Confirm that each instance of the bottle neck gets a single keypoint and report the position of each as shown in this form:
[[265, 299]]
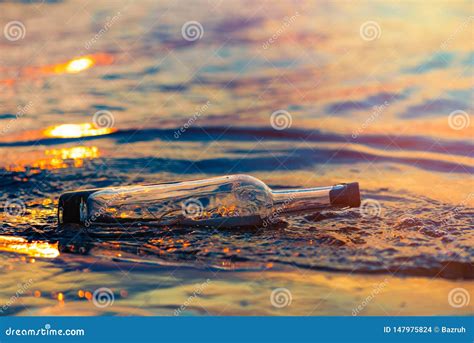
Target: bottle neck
[[294, 200]]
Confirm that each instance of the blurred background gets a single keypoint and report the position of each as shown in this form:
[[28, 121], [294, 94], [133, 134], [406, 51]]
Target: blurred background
[[296, 93]]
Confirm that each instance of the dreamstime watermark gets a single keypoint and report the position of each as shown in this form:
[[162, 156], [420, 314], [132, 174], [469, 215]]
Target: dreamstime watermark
[[287, 21], [376, 112], [192, 31], [109, 22], [458, 30], [273, 217], [45, 331], [14, 208], [199, 112], [21, 111], [459, 297], [197, 292], [14, 31], [103, 119], [377, 289], [103, 297], [370, 30], [22, 288], [281, 297], [444, 220], [370, 208], [449, 219], [459, 120], [100, 212], [281, 120], [192, 208]]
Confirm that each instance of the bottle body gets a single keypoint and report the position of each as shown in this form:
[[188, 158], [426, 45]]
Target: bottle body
[[226, 201]]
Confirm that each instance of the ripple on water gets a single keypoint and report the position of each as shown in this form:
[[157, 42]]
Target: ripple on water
[[411, 236]]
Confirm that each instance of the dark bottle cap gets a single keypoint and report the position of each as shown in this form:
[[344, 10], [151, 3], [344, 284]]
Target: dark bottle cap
[[69, 205], [346, 194]]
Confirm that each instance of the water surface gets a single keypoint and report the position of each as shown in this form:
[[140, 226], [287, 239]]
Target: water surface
[[390, 109]]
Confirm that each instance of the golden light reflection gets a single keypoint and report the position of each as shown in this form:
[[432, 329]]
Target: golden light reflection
[[77, 131], [58, 158], [77, 64], [77, 154], [22, 246], [73, 66]]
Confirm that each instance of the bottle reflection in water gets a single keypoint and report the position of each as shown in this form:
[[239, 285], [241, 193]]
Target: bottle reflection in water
[[226, 201]]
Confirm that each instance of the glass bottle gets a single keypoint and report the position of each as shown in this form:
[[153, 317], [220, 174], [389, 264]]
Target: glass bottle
[[219, 202]]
